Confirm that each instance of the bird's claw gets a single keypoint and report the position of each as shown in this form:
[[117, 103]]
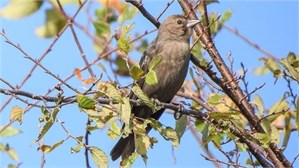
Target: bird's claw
[[178, 114]]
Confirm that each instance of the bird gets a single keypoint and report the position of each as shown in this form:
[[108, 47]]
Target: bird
[[172, 44]]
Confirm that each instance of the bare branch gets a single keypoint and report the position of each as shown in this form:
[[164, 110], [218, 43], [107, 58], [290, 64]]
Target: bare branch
[[144, 12], [236, 32], [70, 24]]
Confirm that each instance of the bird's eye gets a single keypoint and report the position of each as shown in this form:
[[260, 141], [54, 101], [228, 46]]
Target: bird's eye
[[179, 22]]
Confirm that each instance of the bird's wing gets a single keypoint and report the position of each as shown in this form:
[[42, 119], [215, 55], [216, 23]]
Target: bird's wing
[[146, 58]]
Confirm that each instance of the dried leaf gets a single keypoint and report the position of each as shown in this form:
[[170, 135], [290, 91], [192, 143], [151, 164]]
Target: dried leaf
[[16, 114]]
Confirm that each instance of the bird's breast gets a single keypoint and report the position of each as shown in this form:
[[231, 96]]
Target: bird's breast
[[171, 72]]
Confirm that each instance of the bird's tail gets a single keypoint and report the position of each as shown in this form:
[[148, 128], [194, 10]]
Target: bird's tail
[[124, 147]]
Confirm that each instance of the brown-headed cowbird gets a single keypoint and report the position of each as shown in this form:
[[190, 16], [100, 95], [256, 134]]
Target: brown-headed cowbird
[[172, 44]]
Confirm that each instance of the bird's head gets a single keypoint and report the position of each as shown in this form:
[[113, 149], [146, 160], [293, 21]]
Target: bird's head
[[177, 27]]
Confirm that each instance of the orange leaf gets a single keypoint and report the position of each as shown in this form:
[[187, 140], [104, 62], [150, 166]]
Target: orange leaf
[[88, 81], [77, 73], [116, 4]]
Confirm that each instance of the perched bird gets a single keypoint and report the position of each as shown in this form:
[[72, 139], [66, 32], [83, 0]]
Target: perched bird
[[172, 44]]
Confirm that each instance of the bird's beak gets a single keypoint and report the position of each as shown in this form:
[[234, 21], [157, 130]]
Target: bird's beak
[[192, 23]]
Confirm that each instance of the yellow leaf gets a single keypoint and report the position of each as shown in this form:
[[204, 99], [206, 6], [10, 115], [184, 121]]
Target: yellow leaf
[[99, 157], [20, 8], [54, 23], [16, 114]]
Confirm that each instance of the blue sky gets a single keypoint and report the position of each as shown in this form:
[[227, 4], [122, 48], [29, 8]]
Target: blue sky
[[271, 24]]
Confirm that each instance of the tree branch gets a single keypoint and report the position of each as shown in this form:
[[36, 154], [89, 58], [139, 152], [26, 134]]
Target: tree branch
[[231, 87]]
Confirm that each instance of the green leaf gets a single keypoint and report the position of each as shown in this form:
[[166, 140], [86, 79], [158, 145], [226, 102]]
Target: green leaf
[[180, 126], [137, 91], [102, 28], [12, 154], [291, 64], [2, 147], [273, 67], [279, 107], [136, 72], [79, 146], [297, 114], [65, 2], [258, 102], [151, 78], [54, 23], [217, 139], [20, 8], [215, 27], [226, 16], [99, 157], [106, 14], [287, 131], [123, 42], [85, 102], [223, 115], [16, 114], [101, 116], [262, 70], [142, 144], [215, 99], [45, 129], [125, 111], [9, 131], [46, 114], [55, 112], [122, 67], [113, 131], [200, 125], [45, 148], [92, 128], [203, 62], [57, 144], [142, 46], [12, 166], [10, 151], [127, 162], [45, 111], [266, 124], [264, 138], [155, 125], [170, 134], [155, 62], [129, 12], [205, 133], [110, 90]]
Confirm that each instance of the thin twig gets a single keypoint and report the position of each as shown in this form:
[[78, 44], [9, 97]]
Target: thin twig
[[251, 43], [164, 10], [255, 89], [219, 161], [43, 55], [70, 24]]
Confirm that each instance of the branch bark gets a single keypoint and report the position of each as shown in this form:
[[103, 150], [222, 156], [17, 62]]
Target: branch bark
[[230, 86]]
